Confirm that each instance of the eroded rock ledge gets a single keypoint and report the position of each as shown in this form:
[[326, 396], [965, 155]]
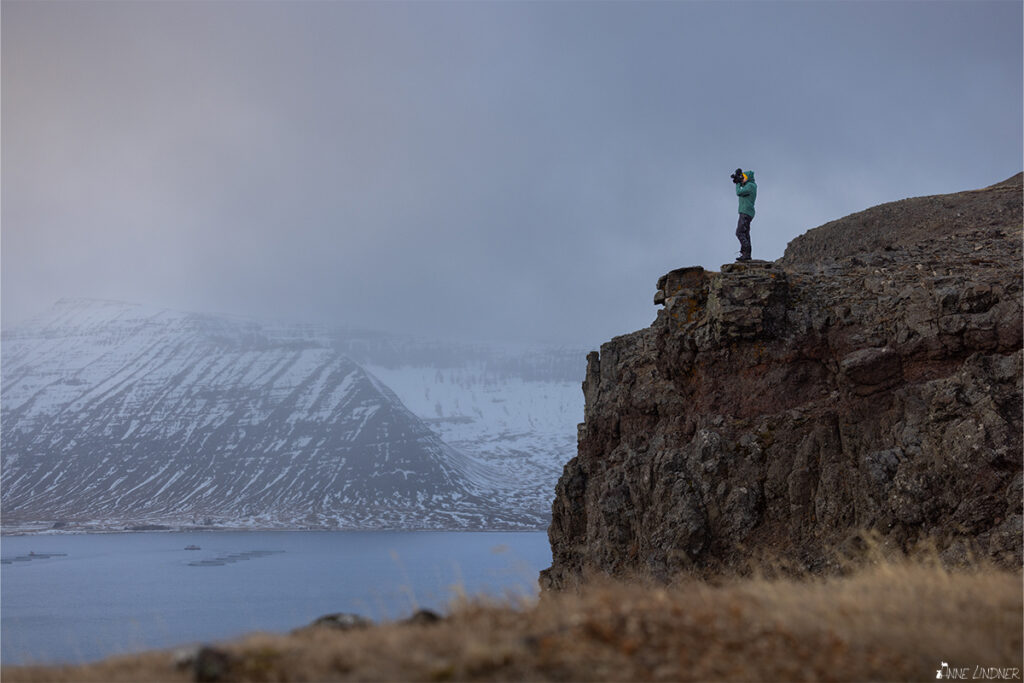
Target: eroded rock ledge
[[868, 380]]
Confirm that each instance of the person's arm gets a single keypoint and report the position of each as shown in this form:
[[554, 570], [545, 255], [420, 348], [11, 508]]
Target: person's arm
[[743, 190]]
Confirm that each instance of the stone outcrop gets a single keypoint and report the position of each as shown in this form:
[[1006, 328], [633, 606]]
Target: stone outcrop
[[870, 380]]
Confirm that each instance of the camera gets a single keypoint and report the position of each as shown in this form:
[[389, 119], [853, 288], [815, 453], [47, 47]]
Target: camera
[[737, 177]]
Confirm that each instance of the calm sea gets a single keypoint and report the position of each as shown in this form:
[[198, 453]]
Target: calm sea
[[73, 598]]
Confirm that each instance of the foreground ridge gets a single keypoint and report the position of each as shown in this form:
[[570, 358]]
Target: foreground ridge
[[890, 621]]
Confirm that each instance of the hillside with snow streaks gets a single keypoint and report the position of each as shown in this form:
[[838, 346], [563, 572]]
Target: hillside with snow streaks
[[515, 406], [525, 429], [114, 413]]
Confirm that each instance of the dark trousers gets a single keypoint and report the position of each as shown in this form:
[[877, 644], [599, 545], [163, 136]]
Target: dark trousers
[[743, 234]]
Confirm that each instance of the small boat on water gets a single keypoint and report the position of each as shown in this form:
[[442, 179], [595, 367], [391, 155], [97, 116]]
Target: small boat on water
[[192, 547]]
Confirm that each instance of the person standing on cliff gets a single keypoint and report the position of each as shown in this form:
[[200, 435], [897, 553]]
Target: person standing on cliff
[[746, 190]]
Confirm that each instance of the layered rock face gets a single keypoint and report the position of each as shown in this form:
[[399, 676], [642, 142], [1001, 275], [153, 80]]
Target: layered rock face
[[870, 380]]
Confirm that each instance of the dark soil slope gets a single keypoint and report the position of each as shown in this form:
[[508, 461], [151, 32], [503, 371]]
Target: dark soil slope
[[909, 222]]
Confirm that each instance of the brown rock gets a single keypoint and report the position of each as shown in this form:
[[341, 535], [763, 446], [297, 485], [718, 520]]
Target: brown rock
[[211, 665], [871, 370], [423, 617], [340, 621]]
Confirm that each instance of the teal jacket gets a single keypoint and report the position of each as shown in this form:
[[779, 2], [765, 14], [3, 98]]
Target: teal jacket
[[747, 192]]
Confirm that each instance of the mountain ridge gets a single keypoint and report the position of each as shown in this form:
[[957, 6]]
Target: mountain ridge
[[122, 414]]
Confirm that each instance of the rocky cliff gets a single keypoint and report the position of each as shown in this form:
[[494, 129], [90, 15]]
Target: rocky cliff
[[870, 380]]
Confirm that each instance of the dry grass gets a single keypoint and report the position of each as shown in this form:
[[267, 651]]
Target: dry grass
[[894, 620]]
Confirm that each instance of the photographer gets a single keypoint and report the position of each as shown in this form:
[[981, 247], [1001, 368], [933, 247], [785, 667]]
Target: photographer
[[746, 190]]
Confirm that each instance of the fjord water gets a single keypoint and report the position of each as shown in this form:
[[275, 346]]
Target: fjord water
[[80, 597]]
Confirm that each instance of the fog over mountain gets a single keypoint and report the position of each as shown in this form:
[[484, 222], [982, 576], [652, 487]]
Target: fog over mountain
[[494, 170]]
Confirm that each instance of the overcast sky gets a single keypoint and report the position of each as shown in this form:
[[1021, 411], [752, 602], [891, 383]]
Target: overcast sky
[[475, 170]]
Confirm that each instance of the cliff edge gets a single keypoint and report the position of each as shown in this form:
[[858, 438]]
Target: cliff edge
[[869, 380]]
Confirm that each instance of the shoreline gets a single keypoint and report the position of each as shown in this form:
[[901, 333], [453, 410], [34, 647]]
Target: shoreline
[[17, 532]]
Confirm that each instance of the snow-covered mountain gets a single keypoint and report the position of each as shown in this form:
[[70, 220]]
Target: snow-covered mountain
[[116, 413], [515, 408]]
